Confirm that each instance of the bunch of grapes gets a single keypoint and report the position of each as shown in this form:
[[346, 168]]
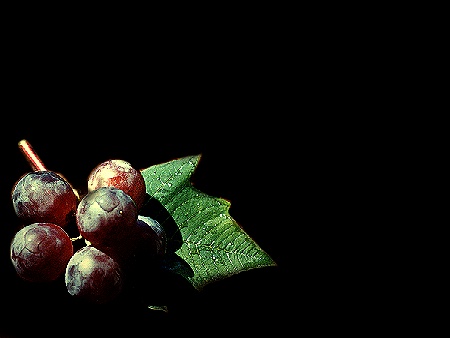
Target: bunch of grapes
[[107, 218]]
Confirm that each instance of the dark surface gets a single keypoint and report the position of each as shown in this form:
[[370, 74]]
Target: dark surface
[[237, 98], [291, 118]]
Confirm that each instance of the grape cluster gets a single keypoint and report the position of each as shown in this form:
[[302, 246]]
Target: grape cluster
[[107, 219]]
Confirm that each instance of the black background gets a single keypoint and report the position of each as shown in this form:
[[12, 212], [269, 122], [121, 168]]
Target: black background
[[290, 115], [233, 113], [262, 97], [292, 112]]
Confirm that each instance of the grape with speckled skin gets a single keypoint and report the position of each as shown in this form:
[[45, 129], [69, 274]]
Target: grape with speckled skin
[[119, 174], [106, 217], [40, 251], [44, 196], [93, 276]]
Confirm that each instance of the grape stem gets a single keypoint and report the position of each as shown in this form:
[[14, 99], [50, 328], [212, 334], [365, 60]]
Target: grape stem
[[35, 161], [31, 156]]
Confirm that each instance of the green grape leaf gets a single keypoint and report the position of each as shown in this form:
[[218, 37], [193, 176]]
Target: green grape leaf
[[213, 246]]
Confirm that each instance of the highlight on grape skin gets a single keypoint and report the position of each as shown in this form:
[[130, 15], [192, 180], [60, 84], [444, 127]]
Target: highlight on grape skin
[[40, 252], [93, 276], [119, 174], [44, 196]]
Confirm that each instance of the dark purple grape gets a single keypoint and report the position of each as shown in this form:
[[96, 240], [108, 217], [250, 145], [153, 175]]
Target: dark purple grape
[[106, 217], [150, 237], [40, 252], [119, 174], [44, 196], [146, 242], [93, 275]]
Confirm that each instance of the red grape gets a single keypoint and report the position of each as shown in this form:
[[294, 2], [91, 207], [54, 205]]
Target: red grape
[[40, 252], [106, 217], [44, 196], [119, 174], [93, 275]]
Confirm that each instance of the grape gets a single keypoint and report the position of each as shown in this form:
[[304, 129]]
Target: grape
[[44, 197], [151, 236], [119, 174], [106, 217], [40, 252], [147, 243], [93, 275]]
